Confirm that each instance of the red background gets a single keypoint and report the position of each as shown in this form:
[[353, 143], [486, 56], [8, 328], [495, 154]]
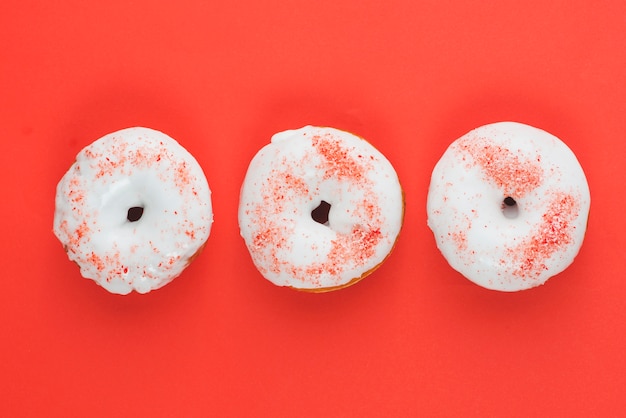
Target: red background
[[415, 338]]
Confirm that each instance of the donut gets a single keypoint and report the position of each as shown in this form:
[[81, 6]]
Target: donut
[[320, 209], [508, 206], [133, 210]]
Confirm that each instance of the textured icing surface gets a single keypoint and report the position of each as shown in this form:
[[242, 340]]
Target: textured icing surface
[[289, 178], [466, 209], [134, 167]]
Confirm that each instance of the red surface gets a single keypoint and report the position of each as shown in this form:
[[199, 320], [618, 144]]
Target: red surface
[[413, 339]]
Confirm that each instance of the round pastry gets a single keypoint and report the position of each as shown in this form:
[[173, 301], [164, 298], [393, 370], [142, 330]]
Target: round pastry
[[508, 205], [320, 209], [133, 210]]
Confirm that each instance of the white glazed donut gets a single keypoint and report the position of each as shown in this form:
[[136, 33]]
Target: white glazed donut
[[133, 210], [319, 209], [508, 205]]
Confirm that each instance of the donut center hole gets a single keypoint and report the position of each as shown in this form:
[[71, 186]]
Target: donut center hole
[[510, 208], [320, 213], [134, 214]]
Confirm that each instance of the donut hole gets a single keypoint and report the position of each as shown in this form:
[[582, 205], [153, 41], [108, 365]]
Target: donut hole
[[134, 214], [510, 209], [320, 213]]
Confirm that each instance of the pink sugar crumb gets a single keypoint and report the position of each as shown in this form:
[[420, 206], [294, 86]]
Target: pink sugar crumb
[[75, 237], [269, 239], [183, 176], [353, 249], [75, 192], [506, 169], [116, 158], [76, 196], [553, 234], [96, 261], [269, 236], [279, 187], [82, 231], [294, 183], [370, 210], [364, 242], [337, 161], [140, 159], [460, 239]]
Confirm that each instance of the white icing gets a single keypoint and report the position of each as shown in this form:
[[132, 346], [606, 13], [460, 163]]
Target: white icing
[[489, 243], [289, 178], [134, 167]]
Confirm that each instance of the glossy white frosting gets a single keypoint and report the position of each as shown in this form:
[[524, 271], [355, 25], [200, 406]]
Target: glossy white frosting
[[134, 167], [289, 178], [484, 239]]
